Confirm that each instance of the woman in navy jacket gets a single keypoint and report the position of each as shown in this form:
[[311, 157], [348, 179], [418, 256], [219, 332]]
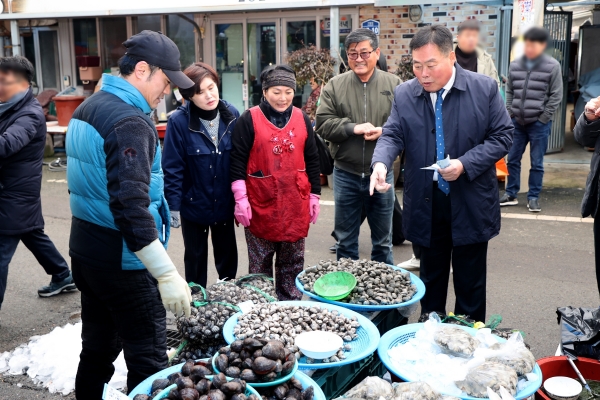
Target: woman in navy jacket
[[196, 164]]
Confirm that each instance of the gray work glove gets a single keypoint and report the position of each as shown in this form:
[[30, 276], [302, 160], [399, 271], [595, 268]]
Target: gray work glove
[[175, 219]]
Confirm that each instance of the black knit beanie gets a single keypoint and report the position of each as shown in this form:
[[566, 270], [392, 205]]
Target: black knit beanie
[[280, 75]]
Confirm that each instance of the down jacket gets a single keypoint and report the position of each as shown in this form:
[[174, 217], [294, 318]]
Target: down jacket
[[22, 141]]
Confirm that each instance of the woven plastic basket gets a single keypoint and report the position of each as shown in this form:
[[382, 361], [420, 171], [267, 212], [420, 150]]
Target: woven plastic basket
[[402, 334], [370, 308], [362, 347]]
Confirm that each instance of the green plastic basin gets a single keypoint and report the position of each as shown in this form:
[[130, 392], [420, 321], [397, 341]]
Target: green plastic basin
[[335, 285]]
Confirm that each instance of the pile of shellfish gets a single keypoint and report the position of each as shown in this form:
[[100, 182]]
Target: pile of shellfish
[[376, 283], [255, 360], [290, 390], [285, 322]]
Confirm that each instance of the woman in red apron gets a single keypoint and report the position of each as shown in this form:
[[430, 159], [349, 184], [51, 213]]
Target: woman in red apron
[[275, 175]]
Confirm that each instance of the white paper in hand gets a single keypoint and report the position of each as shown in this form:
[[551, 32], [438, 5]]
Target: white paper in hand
[[441, 164], [111, 393]]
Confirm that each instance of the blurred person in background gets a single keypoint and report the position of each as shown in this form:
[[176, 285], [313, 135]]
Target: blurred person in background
[[470, 55], [533, 92], [275, 180], [196, 163], [310, 107], [22, 141]]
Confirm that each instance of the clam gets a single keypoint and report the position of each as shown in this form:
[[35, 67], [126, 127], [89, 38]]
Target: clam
[[238, 396], [216, 394], [233, 372], [203, 386], [287, 367], [189, 394], [248, 375], [308, 393], [270, 377], [159, 384], [281, 391], [187, 368], [222, 362], [231, 388], [263, 365], [141, 397], [274, 350], [184, 382], [218, 380]]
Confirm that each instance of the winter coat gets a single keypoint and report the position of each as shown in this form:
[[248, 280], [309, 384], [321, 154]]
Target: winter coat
[[347, 101], [196, 172], [477, 131], [22, 141], [535, 94], [588, 134], [115, 178], [485, 63]]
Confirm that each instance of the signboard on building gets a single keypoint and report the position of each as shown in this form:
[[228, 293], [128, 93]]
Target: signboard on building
[[345, 26], [371, 24], [30, 9]]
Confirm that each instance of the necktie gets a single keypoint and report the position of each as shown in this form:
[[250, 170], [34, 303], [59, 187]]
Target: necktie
[[439, 139]]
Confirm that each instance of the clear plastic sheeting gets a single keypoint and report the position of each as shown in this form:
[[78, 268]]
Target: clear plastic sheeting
[[489, 375], [51, 360], [512, 353], [415, 391], [370, 388], [422, 359]]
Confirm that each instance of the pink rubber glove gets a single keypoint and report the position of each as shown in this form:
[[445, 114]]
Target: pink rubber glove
[[314, 207], [242, 212]]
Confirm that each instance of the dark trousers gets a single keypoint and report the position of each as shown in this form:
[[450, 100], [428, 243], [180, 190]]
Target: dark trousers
[[351, 195], [416, 251], [195, 258], [42, 248], [469, 263], [536, 134], [597, 245], [120, 310]]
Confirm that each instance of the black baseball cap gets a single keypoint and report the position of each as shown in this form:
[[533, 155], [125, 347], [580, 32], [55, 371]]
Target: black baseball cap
[[157, 49]]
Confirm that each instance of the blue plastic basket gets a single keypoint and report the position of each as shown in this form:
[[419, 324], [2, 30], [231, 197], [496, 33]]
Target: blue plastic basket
[[402, 334], [306, 381], [371, 308], [262, 384], [146, 386], [363, 346]]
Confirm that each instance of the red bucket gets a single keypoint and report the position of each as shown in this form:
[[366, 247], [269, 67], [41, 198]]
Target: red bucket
[[559, 366], [65, 107]]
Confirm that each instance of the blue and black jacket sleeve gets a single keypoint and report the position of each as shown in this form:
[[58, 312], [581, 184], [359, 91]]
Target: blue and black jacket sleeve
[[130, 148]]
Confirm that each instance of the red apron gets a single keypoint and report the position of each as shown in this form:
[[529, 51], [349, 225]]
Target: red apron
[[280, 198]]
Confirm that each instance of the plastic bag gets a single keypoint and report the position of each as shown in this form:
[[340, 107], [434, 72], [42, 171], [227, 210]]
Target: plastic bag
[[456, 341], [415, 391], [580, 329], [489, 374], [512, 353], [371, 388]]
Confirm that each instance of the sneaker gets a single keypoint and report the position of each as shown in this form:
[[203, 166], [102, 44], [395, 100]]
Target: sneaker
[[507, 200], [54, 288], [333, 249], [414, 264], [533, 205]]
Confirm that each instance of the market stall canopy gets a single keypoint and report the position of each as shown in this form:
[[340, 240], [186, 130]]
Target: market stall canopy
[[31, 9]]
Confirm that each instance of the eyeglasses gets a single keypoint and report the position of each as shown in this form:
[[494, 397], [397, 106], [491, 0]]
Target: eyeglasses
[[364, 55]]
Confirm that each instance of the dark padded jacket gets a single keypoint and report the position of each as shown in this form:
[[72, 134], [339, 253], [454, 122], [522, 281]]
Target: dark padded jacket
[[535, 94], [588, 134], [22, 141], [196, 171]]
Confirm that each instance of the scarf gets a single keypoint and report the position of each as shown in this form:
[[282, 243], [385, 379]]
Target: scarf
[[7, 105]]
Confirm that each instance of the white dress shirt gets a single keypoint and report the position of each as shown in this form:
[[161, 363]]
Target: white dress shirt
[[433, 96]]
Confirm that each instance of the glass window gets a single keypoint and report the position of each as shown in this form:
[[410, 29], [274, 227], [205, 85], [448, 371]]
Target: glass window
[[230, 62], [262, 52], [180, 29], [84, 34], [300, 34], [114, 33], [146, 22], [49, 59], [345, 28]]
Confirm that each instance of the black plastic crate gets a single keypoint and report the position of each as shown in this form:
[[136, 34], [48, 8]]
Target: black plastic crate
[[337, 381]]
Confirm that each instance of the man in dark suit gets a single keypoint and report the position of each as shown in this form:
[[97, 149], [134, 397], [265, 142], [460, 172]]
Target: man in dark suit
[[451, 212]]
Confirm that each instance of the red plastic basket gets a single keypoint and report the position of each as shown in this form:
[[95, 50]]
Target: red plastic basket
[[559, 366]]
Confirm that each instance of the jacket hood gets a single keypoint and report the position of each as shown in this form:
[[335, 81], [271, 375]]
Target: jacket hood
[[125, 91], [192, 111], [481, 52]]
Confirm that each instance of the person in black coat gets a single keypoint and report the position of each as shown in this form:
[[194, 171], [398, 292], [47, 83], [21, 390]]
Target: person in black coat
[[587, 133], [196, 165], [22, 141], [453, 212]]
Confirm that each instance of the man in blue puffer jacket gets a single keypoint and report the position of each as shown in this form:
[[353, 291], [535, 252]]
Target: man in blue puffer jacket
[[120, 224]]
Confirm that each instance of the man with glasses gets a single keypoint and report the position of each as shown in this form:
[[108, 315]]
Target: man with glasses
[[354, 107], [22, 142]]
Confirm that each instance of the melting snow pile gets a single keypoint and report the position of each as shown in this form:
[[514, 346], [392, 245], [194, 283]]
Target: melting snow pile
[[51, 360]]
